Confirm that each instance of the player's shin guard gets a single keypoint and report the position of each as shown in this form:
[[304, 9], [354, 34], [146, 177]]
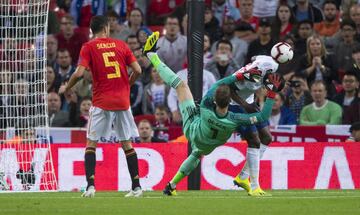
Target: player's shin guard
[[90, 162], [132, 162], [169, 77]]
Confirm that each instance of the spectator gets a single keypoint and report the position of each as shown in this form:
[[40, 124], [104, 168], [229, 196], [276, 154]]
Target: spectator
[[52, 46], [239, 46], [173, 45], [142, 34], [52, 81], [331, 24], [136, 21], [117, 31], [155, 93], [349, 97], [207, 53], [223, 8], [262, 45], [343, 49], [355, 132], [305, 30], [287, 70], [245, 32], [69, 39], [208, 81], [136, 95], [146, 66], [284, 22], [146, 133], [246, 8], [299, 95], [280, 114], [355, 16], [317, 64], [304, 10], [222, 64], [211, 25], [162, 123], [57, 117], [133, 42], [321, 111], [82, 11], [356, 61], [79, 117], [64, 68]]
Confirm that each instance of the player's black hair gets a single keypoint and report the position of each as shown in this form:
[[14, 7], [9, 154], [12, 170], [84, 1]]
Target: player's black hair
[[223, 96], [98, 23]]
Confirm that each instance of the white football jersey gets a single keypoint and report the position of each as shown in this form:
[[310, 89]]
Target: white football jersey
[[246, 89]]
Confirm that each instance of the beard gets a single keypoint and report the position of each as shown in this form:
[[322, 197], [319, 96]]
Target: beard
[[330, 18]]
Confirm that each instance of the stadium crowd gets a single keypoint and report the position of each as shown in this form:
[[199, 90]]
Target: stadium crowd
[[323, 77]]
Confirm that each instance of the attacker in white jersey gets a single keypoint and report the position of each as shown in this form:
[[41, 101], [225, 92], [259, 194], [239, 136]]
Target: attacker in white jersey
[[258, 136]]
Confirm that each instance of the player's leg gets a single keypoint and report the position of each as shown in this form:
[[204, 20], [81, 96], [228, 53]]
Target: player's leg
[[99, 123], [185, 169], [125, 129], [169, 77]]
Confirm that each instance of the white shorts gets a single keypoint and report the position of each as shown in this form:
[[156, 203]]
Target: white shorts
[[101, 122]]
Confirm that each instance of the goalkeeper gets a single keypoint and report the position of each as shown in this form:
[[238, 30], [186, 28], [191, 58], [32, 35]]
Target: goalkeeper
[[211, 125]]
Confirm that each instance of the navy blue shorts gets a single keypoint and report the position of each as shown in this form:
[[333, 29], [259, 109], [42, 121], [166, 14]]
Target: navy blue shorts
[[244, 129]]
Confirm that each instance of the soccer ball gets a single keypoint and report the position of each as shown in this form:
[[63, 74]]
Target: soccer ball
[[282, 52]]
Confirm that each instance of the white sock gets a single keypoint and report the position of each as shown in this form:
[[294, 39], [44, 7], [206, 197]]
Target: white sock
[[262, 149], [253, 159], [244, 174]]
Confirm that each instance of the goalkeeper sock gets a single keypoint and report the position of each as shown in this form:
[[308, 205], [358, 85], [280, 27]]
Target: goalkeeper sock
[[189, 164], [90, 162], [132, 162], [169, 77], [253, 158], [176, 179]]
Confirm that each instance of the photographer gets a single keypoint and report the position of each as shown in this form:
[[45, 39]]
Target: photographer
[[299, 95]]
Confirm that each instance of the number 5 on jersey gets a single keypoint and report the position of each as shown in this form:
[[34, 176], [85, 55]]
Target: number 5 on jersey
[[114, 64]]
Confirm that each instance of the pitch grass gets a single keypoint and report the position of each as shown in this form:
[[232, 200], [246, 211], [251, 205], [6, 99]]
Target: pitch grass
[[323, 202]]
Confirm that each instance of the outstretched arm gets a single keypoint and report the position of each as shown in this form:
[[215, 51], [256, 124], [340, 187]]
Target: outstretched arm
[[253, 118], [75, 77]]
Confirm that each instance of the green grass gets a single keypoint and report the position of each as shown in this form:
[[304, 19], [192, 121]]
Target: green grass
[[324, 202]]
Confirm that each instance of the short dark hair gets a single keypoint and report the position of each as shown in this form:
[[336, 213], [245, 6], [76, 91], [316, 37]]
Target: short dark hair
[[162, 108], [352, 72], [112, 13], [223, 96], [299, 75], [224, 41], [356, 49], [355, 127], [330, 2], [98, 23], [348, 22], [306, 21]]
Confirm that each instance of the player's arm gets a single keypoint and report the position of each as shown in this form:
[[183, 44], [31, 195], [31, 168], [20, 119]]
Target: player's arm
[[248, 107], [75, 77], [253, 118], [136, 72], [252, 75]]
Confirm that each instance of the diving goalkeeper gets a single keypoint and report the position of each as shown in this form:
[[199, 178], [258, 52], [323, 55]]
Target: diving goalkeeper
[[211, 125]]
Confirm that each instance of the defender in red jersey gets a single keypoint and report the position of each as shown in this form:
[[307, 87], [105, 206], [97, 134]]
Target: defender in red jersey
[[108, 59]]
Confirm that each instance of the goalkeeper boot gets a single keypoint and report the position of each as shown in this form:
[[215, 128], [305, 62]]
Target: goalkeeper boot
[[89, 193], [243, 183], [169, 190], [258, 192], [137, 192], [150, 45]]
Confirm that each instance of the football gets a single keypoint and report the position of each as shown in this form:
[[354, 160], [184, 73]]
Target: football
[[282, 52]]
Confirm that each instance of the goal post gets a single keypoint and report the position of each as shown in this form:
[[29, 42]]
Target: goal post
[[25, 155]]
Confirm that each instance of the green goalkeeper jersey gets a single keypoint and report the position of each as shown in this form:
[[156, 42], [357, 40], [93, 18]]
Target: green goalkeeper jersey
[[209, 130]]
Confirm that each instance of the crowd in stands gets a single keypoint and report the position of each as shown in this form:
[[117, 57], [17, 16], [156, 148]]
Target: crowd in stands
[[323, 77]]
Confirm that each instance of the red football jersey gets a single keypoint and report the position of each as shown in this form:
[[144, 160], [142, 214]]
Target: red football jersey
[[107, 59]]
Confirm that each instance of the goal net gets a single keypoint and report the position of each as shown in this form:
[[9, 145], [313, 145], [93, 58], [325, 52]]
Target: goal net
[[25, 155]]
